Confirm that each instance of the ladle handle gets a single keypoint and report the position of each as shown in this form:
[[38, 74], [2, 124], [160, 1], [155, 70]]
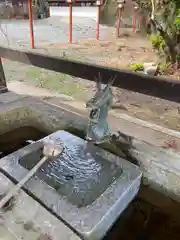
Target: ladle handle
[[18, 186]]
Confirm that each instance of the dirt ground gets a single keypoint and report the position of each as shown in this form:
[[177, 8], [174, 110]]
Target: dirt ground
[[128, 49]]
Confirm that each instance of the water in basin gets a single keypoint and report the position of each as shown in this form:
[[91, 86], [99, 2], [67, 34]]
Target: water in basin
[[80, 174]]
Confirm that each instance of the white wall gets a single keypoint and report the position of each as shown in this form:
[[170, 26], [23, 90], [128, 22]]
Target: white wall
[[89, 12]]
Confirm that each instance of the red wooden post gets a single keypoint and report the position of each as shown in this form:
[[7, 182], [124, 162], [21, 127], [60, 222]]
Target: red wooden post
[[135, 19], [119, 14], [118, 22], [70, 23], [147, 19], [70, 2], [120, 6], [31, 23], [98, 3]]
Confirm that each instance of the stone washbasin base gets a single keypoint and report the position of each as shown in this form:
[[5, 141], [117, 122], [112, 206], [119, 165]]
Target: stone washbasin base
[[86, 186]]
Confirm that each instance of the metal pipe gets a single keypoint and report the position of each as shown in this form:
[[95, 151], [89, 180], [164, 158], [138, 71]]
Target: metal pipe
[[31, 24]]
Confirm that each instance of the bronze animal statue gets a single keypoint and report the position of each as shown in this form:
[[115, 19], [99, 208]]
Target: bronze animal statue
[[98, 128]]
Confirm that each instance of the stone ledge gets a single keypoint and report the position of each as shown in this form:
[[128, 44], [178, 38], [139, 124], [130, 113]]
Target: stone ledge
[[29, 220]]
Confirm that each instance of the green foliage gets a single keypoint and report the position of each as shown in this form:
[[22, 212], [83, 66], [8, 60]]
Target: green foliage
[[166, 27], [163, 66], [178, 58], [177, 20], [157, 42], [137, 67]]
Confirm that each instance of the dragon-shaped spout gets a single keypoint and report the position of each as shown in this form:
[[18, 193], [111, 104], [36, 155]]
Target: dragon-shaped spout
[[98, 128]]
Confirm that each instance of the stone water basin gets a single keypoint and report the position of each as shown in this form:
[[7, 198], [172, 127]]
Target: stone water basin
[[6, 234], [85, 187]]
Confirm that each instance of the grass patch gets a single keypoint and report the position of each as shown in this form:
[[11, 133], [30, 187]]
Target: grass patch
[[137, 67], [53, 81]]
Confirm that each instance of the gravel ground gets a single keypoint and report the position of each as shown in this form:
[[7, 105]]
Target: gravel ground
[[15, 33]]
